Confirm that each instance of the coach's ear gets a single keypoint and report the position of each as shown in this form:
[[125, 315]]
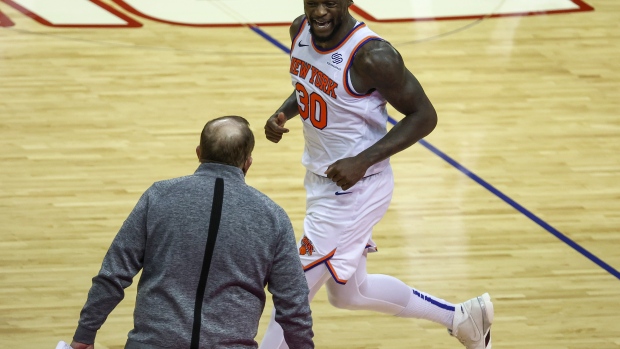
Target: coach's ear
[[246, 165], [198, 152]]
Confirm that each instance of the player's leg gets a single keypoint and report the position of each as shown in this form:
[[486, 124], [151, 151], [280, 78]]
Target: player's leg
[[470, 322], [315, 246], [388, 295], [274, 337]]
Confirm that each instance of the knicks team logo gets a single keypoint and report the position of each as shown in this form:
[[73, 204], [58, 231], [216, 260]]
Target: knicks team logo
[[306, 247]]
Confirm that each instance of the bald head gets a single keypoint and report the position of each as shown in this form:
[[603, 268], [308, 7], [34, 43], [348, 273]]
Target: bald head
[[227, 140]]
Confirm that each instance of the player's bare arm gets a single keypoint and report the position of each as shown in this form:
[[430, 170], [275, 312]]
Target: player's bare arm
[[379, 66], [274, 128]]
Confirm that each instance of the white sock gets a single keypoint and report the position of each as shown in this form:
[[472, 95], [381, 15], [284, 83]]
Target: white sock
[[425, 306], [389, 295]]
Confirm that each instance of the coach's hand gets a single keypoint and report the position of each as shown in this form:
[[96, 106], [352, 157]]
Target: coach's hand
[[274, 128], [346, 172], [78, 345]]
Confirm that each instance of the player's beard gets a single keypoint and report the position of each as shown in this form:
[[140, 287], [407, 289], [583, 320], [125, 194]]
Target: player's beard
[[325, 39]]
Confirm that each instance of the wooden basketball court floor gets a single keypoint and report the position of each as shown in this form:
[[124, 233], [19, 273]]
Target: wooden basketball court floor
[[516, 193]]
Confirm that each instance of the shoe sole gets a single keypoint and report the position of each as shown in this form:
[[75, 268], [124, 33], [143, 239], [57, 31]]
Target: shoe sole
[[487, 316]]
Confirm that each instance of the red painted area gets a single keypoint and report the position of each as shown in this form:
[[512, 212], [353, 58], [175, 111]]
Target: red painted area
[[134, 11], [5, 21], [131, 23], [582, 7]]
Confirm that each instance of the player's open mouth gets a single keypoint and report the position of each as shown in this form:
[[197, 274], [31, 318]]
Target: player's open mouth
[[322, 25]]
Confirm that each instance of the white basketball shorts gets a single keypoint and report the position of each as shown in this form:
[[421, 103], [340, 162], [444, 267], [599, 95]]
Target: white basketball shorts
[[338, 224]]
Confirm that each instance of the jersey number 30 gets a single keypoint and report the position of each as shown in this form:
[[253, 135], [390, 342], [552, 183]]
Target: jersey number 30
[[312, 106]]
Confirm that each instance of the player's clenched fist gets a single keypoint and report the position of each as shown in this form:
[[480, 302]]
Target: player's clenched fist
[[274, 128], [346, 172]]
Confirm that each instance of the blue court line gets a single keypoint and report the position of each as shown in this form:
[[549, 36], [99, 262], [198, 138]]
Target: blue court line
[[485, 184], [521, 209], [269, 38]]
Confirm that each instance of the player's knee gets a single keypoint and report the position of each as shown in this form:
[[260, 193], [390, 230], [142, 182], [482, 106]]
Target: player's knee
[[344, 301], [338, 301]]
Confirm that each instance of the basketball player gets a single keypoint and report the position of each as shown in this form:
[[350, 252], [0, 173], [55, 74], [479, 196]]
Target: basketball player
[[343, 74]]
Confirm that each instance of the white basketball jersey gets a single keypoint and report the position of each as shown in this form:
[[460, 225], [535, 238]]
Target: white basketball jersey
[[338, 122]]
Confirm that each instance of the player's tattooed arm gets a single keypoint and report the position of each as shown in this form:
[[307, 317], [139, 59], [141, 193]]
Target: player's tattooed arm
[[379, 66]]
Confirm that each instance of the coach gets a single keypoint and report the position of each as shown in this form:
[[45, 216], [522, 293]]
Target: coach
[[207, 245]]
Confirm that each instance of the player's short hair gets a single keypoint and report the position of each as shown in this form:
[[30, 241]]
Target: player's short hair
[[227, 140]]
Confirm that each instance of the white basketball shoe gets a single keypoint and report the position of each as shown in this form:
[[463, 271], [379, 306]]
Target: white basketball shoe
[[472, 322]]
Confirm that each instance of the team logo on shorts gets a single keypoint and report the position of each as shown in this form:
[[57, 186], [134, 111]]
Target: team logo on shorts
[[306, 247]]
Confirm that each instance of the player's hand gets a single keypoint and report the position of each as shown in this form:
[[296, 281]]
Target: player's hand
[[274, 128], [346, 172], [78, 345]]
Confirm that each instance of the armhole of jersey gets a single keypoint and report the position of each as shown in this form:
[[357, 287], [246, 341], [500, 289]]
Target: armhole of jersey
[[348, 86], [301, 28]]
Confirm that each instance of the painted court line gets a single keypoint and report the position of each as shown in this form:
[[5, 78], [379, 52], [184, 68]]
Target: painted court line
[[521, 209], [485, 184], [269, 38]]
